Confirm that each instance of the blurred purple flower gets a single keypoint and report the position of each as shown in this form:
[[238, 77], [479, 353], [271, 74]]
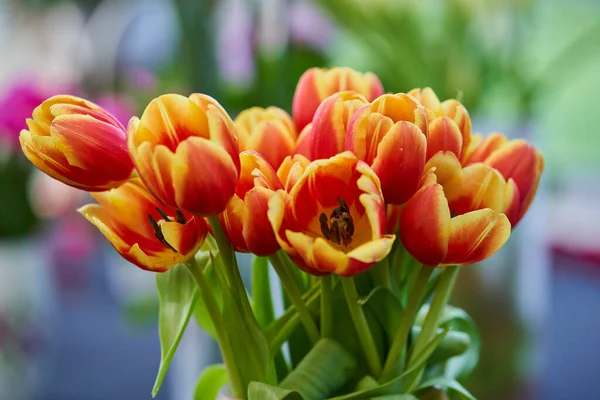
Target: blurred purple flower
[[123, 108], [309, 25]]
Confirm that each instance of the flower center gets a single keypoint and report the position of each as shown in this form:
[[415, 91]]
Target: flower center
[[339, 228], [180, 218]]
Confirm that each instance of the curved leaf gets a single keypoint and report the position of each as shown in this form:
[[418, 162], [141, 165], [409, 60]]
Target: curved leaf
[[262, 391], [448, 383], [458, 320], [210, 382], [324, 370], [177, 296]]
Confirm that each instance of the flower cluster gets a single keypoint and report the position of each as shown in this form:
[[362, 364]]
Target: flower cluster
[[332, 185]]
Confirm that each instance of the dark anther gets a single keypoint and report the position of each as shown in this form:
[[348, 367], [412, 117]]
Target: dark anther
[[180, 217], [453, 214], [340, 227], [159, 234], [324, 226], [163, 214]]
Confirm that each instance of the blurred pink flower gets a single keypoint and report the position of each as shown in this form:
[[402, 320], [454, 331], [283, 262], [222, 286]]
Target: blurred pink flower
[[120, 106], [17, 102]]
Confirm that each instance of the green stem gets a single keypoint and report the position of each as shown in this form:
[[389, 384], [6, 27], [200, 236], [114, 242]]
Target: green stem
[[408, 316], [327, 306], [438, 303], [261, 292], [362, 327], [214, 312], [295, 294], [228, 256], [381, 274]]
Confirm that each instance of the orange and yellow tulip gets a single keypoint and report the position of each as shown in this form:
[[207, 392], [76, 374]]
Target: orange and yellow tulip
[[143, 230], [390, 135], [329, 125], [449, 124], [291, 170], [316, 84], [516, 160], [333, 218], [245, 219], [463, 222], [186, 152], [303, 142], [270, 131], [78, 143]]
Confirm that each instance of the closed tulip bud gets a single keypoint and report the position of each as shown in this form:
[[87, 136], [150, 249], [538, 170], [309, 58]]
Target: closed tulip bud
[[516, 160], [329, 125], [245, 219], [291, 170], [78, 143], [186, 152], [390, 135], [303, 143], [461, 223], [142, 229], [316, 84], [270, 131], [333, 218]]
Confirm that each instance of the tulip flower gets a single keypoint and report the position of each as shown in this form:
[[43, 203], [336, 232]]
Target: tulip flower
[[329, 125], [186, 152], [449, 124], [516, 160], [291, 170], [270, 131], [78, 143], [463, 222], [142, 229], [303, 142], [245, 219], [390, 135], [333, 218], [316, 84]]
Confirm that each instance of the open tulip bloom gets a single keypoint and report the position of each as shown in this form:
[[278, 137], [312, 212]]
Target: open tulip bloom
[[365, 204]]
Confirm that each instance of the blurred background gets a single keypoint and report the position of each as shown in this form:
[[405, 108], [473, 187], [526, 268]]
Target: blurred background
[[78, 323]]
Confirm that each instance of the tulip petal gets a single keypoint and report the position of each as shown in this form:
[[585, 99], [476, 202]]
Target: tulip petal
[[257, 231], [291, 170], [401, 107], [476, 236], [204, 176], [400, 162], [232, 222], [445, 166], [304, 140], [481, 149], [444, 135], [425, 225]]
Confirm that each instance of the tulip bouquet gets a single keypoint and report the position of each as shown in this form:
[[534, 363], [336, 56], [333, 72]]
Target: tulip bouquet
[[365, 204]]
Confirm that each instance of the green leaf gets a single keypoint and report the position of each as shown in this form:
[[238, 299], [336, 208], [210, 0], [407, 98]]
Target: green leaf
[[177, 296], [261, 291], [397, 385], [458, 320], [262, 391], [387, 309], [210, 382], [323, 371], [453, 344], [448, 383], [247, 340], [201, 314]]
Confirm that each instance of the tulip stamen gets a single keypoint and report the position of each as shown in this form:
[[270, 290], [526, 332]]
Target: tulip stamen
[[339, 228], [159, 233], [453, 213], [163, 214], [180, 217]]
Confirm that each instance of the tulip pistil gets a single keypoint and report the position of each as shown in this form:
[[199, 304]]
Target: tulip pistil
[[339, 227]]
